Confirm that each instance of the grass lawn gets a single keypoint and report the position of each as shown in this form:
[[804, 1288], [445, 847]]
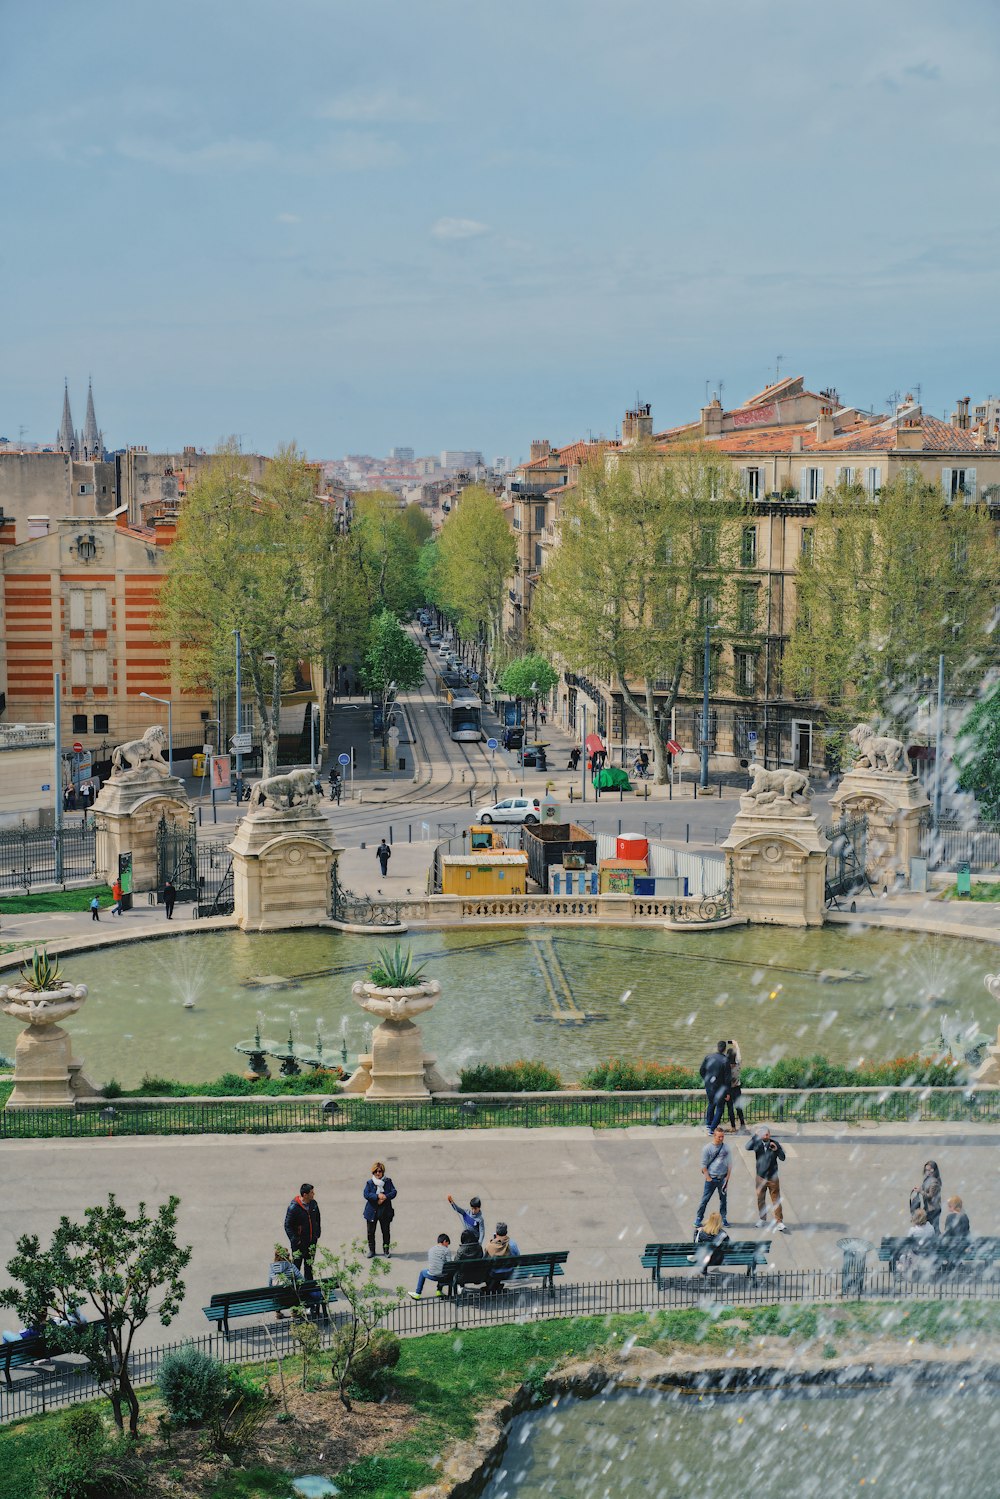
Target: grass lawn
[[54, 900], [988, 890], [444, 1379]]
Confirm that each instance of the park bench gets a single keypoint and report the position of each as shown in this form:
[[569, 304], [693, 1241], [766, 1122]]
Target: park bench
[[749, 1253], [34, 1357], [257, 1302], [457, 1274], [943, 1254]]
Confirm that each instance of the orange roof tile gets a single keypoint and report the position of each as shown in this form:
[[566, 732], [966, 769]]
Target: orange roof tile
[[937, 437]]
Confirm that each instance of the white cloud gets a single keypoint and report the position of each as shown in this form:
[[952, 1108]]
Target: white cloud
[[459, 229], [376, 106]]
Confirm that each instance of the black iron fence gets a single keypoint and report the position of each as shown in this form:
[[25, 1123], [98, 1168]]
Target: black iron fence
[[37, 1391], [349, 1114], [845, 858], [952, 844], [45, 856], [360, 910], [199, 871]]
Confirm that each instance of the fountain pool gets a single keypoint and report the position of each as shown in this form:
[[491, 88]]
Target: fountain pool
[[548, 993], [910, 1443]]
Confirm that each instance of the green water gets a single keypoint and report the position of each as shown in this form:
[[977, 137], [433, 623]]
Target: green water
[[901, 1443], [511, 993]]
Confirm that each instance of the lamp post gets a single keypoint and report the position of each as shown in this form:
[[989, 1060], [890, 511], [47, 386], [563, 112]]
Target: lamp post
[[209, 723], [170, 726], [707, 673]]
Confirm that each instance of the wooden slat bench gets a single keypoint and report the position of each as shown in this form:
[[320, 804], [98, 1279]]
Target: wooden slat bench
[[749, 1253], [35, 1358], [257, 1302], [943, 1253], [515, 1268]]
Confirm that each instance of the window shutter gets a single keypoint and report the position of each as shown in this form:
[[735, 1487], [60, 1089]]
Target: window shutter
[[970, 486], [819, 483], [946, 482], [99, 609], [803, 484], [76, 614]]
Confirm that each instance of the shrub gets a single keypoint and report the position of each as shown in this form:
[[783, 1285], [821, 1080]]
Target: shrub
[[394, 969], [245, 1406], [193, 1386], [112, 1088], [82, 1427], [618, 1076], [98, 1471], [509, 1077], [371, 1367]]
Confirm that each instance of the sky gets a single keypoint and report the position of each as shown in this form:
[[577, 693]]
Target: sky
[[358, 224]]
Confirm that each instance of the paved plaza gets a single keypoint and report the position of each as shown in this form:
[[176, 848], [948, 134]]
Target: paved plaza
[[601, 1194]]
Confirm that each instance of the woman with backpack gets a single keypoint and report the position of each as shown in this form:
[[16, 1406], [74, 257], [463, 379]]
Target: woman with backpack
[[927, 1197]]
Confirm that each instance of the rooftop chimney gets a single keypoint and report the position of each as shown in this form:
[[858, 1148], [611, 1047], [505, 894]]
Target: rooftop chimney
[[824, 425], [637, 425], [910, 436], [539, 449], [711, 418], [961, 415]]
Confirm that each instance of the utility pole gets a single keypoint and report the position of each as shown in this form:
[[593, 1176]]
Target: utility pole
[[57, 783], [239, 717], [707, 671], [583, 722], [939, 744]]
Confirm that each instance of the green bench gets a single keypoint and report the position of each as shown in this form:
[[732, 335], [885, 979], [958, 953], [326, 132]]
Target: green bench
[[748, 1253], [545, 1266], [943, 1253], [259, 1301], [35, 1357]]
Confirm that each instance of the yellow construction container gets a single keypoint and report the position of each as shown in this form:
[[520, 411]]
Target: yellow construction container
[[489, 838], [617, 876], [484, 873]]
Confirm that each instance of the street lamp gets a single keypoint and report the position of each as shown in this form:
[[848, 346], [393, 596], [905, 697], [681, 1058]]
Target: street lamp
[[170, 726]]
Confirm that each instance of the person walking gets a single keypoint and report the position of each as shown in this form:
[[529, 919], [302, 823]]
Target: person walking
[[930, 1194], [437, 1257], [716, 1167], [383, 854], [768, 1153], [302, 1228], [716, 1075], [116, 898], [734, 1098], [473, 1219], [169, 898], [95, 909], [379, 1211]]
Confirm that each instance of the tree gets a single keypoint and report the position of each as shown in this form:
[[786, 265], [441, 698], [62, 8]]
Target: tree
[[476, 556], [646, 557], [885, 586], [416, 523], [385, 552], [129, 1269], [360, 1285], [529, 678], [978, 753], [393, 663], [248, 557]]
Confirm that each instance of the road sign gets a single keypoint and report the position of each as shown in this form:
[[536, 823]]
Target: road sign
[[343, 759], [241, 744], [751, 737], [492, 744], [46, 787], [77, 747], [673, 747]]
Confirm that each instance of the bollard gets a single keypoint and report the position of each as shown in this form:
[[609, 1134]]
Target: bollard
[[470, 796], [687, 832], [199, 817], [409, 832], [390, 832]]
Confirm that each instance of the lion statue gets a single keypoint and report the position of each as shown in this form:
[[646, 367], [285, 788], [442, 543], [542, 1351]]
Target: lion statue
[[138, 751], [774, 785], [873, 748], [282, 792]]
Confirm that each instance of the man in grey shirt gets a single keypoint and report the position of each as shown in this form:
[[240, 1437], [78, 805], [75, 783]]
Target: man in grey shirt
[[716, 1165], [437, 1257]]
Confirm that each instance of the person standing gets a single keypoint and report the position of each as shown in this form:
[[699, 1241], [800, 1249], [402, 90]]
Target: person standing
[[716, 1166], [473, 1219], [334, 785], [437, 1257], [379, 1211], [930, 1194], [383, 854], [116, 898], [302, 1228], [715, 1074], [95, 909], [734, 1098], [169, 898], [768, 1152]]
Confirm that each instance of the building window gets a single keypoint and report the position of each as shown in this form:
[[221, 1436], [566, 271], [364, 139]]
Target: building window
[[709, 546], [99, 668], [698, 675], [100, 723], [79, 723], [959, 483], [751, 482], [873, 481], [745, 724], [747, 610], [806, 543], [811, 484], [539, 517], [845, 476], [99, 609], [77, 607], [745, 663], [538, 555], [78, 668], [706, 609], [748, 546]]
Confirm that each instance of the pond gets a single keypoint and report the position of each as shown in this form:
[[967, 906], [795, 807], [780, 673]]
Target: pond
[[903, 1442], [554, 994]]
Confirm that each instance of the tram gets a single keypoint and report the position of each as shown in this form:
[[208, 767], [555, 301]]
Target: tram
[[464, 714]]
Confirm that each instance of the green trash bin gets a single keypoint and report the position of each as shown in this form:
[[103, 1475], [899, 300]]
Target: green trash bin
[[963, 880]]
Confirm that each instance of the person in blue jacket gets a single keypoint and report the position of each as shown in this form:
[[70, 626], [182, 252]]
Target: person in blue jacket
[[379, 1211], [473, 1218]]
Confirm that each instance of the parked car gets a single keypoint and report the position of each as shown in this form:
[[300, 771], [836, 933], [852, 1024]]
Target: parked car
[[511, 809]]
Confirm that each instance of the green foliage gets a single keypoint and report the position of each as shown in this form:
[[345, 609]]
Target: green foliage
[[978, 754], [395, 969], [41, 973], [104, 1470], [51, 900], [235, 1085], [475, 557], [82, 1427], [360, 1283], [122, 1270], [509, 1077], [980, 890], [384, 548], [528, 677], [393, 661], [237, 1420], [370, 1368], [619, 1076], [416, 523], [192, 1385], [112, 1088]]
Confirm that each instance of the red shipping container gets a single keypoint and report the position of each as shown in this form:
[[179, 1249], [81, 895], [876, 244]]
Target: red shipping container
[[631, 846]]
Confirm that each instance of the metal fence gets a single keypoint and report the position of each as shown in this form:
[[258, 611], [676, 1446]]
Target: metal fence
[[952, 844], [846, 857], [45, 856], [360, 910], [259, 1343], [348, 1114], [200, 872]]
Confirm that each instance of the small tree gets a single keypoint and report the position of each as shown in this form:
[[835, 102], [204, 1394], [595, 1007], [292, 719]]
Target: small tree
[[393, 663], [128, 1269], [529, 678], [978, 753], [360, 1283]]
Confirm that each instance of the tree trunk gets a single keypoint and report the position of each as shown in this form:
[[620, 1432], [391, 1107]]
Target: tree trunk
[[646, 710], [132, 1401], [116, 1407]]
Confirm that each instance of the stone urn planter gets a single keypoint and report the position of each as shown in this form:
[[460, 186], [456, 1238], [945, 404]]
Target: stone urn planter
[[397, 1066], [45, 1073]]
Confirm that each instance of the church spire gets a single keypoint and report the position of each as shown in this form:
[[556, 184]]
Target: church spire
[[91, 436], [67, 437]]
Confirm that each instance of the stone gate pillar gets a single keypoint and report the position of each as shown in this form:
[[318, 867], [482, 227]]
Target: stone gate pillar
[[139, 792], [776, 854], [283, 858], [895, 804]]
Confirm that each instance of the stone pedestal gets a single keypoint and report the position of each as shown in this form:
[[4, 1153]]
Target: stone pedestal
[[46, 1075], [282, 864], [988, 1070], [129, 809], [776, 860], [397, 1066], [895, 804]]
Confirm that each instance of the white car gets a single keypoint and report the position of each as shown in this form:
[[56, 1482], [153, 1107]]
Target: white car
[[511, 809]]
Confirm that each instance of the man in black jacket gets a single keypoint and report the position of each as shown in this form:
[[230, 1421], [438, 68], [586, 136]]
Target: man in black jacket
[[768, 1153], [302, 1228], [717, 1076]]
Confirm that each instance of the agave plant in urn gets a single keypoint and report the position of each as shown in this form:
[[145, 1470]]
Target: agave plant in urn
[[395, 990], [45, 1074]]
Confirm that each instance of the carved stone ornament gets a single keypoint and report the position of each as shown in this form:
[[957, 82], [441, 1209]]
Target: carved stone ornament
[[140, 758], [875, 751]]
